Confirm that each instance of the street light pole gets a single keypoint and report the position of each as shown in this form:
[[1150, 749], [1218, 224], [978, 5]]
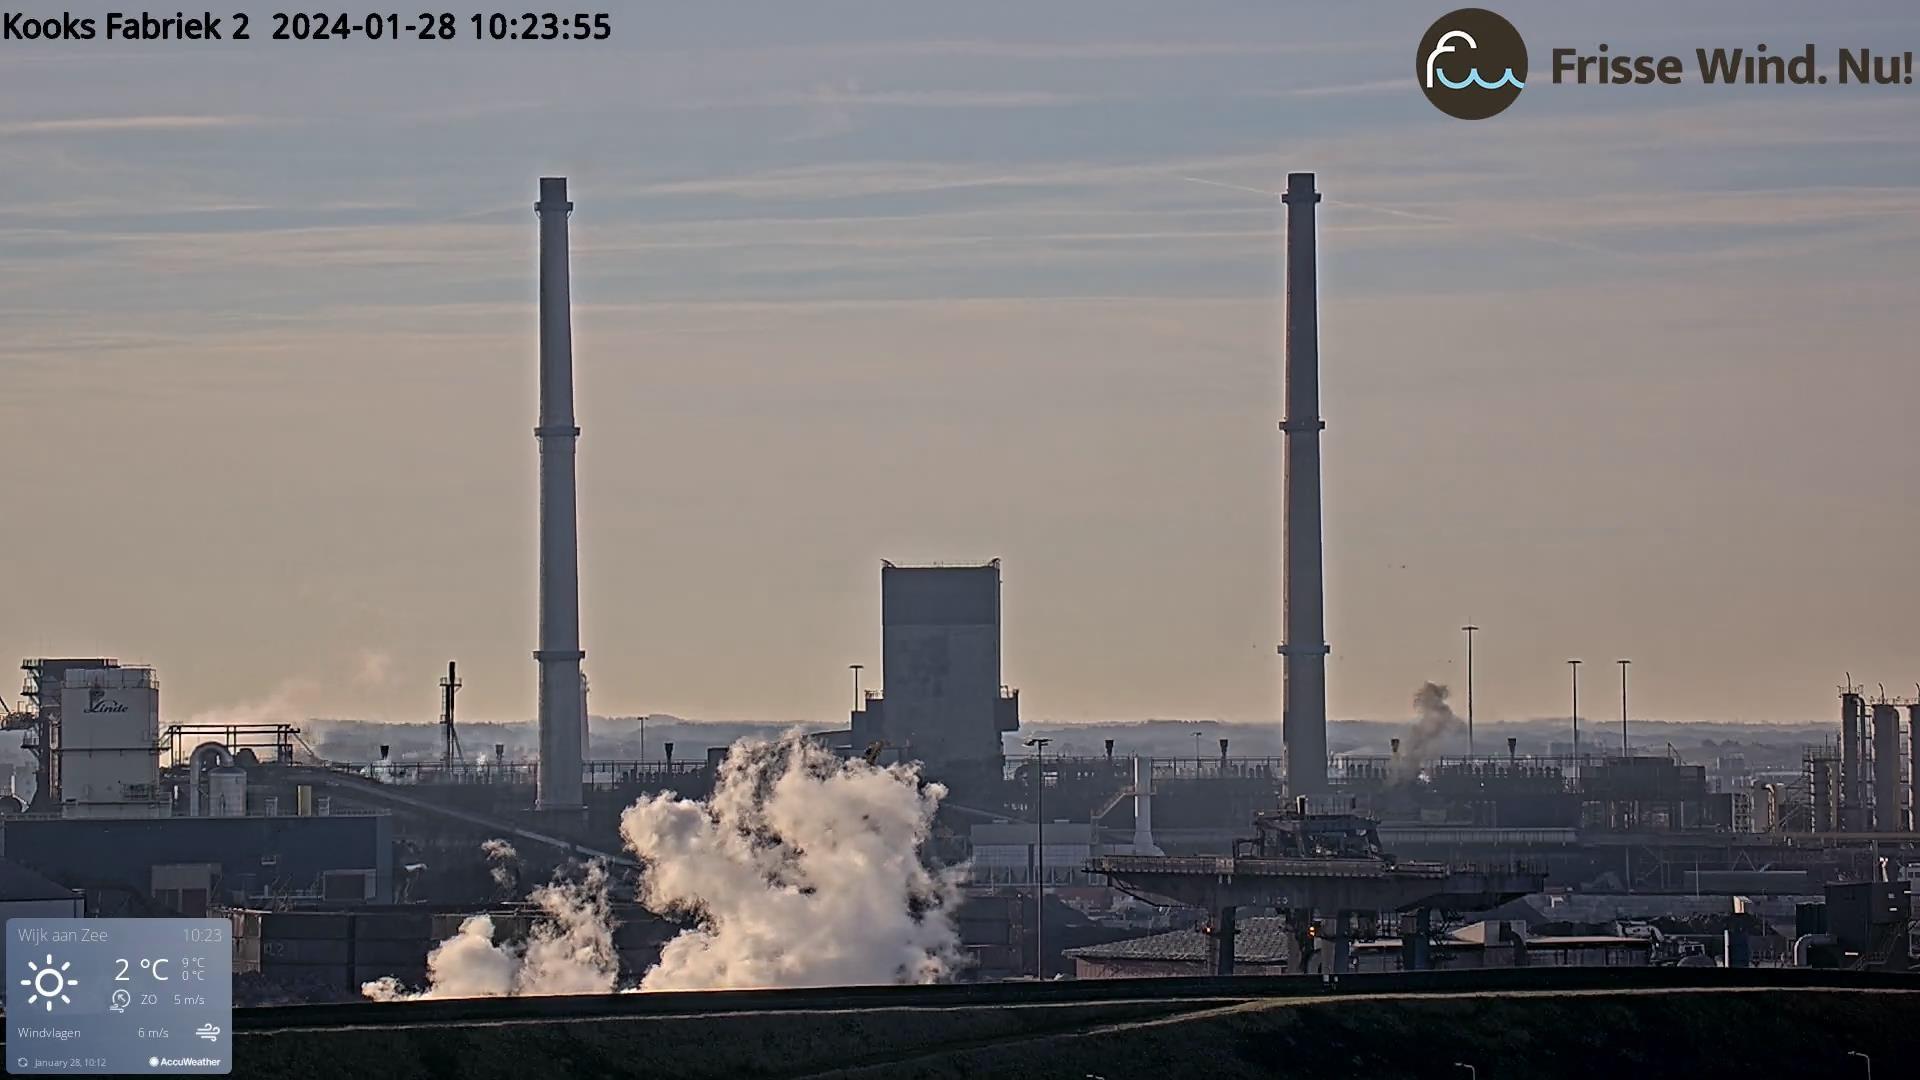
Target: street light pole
[[1472, 1073], [1469, 628], [1624, 751], [1039, 857], [1574, 665], [1865, 1058]]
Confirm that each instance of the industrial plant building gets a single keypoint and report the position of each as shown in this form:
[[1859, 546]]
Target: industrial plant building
[[140, 817], [942, 701], [332, 868], [1861, 781], [1265, 946]]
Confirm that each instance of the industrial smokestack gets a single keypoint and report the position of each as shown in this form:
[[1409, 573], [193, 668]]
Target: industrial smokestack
[[1304, 686], [562, 702]]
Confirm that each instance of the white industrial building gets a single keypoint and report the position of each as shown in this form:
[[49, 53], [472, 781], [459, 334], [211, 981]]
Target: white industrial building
[[109, 739], [1003, 853]]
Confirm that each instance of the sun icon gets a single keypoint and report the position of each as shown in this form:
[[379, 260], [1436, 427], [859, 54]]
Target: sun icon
[[49, 982]]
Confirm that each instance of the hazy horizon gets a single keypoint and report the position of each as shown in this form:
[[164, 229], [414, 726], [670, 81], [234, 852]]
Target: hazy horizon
[[1624, 372]]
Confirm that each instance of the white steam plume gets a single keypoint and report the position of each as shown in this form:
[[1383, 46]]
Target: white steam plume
[[802, 869], [468, 964], [569, 951]]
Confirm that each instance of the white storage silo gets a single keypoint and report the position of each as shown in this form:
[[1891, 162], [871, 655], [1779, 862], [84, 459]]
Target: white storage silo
[[227, 792]]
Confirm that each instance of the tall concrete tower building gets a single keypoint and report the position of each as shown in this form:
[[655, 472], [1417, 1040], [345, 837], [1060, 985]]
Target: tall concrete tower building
[[943, 702]]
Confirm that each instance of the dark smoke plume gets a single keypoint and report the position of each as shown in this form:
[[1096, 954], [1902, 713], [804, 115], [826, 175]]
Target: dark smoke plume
[[1434, 722]]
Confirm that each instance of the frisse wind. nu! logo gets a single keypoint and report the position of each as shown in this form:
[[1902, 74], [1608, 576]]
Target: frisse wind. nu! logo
[[1471, 64]]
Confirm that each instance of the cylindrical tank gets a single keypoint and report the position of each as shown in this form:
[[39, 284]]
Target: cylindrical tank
[[11, 805], [1766, 807], [1913, 765], [1143, 807], [1887, 796], [1853, 767], [227, 792]]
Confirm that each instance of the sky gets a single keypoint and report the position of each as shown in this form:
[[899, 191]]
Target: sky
[[1622, 372]]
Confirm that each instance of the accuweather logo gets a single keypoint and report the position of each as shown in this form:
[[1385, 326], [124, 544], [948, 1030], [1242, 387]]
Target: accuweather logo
[[1471, 64]]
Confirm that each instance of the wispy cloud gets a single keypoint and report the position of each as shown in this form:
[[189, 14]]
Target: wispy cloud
[[1377, 86], [98, 125], [1039, 51], [854, 94]]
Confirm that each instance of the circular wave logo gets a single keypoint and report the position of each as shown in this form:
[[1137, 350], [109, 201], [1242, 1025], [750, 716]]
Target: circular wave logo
[[1471, 64]]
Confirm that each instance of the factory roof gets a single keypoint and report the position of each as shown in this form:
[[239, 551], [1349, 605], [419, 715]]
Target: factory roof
[[1576, 941], [1263, 940], [19, 882], [889, 564], [1258, 940], [1020, 833]]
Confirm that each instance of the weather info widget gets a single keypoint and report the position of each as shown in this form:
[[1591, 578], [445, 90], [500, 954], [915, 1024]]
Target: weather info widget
[[119, 996]]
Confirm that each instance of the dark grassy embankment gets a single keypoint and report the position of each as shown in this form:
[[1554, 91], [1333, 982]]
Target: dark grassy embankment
[[1638, 1034]]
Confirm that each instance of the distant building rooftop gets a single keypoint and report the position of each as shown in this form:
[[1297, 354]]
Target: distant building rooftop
[[988, 565], [1263, 940], [19, 882], [1020, 833], [1258, 940]]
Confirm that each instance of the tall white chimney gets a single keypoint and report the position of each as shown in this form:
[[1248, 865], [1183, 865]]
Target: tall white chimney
[[562, 701], [1304, 687], [1143, 807]]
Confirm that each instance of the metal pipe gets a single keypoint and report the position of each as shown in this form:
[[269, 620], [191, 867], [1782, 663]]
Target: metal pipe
[[1304, 681], [1575, 666], [193, 772], [559, 654], [1803, 944], [1624, 751]]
